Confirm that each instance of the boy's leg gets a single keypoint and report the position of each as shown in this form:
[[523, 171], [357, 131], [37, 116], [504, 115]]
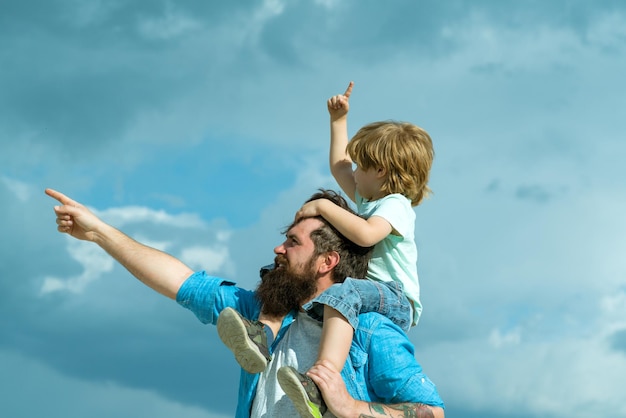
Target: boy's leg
[[354, 297], [302, 391], [342, 303], [248, 340], [336, 338], [334, 346]]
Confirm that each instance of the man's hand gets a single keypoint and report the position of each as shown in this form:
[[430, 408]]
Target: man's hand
[[333, 388], [340, 403], [338, 105], [73, 218]]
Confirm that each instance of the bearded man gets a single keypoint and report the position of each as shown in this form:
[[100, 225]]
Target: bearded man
[[381, 376]]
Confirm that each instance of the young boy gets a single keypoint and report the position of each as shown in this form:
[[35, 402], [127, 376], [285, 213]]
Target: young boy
[[393, 162]]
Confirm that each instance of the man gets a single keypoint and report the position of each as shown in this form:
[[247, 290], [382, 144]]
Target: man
[[381, 371]]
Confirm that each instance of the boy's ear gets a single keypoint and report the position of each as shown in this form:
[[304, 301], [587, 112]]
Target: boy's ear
[[381, 172], [330, 260]]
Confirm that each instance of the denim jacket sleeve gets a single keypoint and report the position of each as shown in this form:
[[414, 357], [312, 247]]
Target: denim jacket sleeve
[[206, 296], [393, 374]]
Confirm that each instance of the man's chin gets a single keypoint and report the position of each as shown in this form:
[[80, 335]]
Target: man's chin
[[282, 291]]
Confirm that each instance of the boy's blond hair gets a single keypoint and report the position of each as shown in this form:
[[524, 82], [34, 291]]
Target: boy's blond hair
[[404, 150]]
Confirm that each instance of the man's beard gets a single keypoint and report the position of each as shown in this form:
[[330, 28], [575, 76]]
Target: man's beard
[[282, 290]]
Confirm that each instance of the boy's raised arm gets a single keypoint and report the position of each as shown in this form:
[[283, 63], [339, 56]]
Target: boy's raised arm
[[363, 232], [154, 268], [340, 161]]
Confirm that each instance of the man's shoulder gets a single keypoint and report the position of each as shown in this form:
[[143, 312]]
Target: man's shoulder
[[373, 321], [207, 295], [200, 283], [376, 334]]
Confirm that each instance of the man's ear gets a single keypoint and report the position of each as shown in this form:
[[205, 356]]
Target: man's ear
[[330, 260]]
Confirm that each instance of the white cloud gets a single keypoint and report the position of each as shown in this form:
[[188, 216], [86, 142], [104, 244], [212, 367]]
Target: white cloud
[[510, 48], [135, 214], [329, 4], [614, 304], [268, 10], [172, 24], [498, 339], [212, 259], [571, 377], [22, 191], [94, 261], [84, 13], [250, 25], [609, 30], [223, 236]]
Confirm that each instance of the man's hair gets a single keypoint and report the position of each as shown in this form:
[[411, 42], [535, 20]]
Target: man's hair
[[404, 150], [353, 259]]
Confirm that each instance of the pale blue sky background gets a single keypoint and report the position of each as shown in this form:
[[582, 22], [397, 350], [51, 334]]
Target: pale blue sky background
[[199, 127]]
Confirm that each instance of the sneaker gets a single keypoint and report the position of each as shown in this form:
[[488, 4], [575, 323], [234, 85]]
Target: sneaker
[[303, 392], [246, 339]]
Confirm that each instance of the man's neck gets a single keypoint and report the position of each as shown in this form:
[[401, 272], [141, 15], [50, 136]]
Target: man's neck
[[273, 322], [323, 283]]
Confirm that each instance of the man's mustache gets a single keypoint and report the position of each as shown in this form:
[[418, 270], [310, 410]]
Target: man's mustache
[[280, 259]]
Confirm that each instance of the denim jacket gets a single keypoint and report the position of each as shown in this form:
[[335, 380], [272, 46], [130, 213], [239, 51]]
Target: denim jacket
[[381, 366]]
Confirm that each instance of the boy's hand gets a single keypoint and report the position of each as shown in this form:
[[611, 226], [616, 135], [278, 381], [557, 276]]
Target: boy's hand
[[309, 210], [338, 105]]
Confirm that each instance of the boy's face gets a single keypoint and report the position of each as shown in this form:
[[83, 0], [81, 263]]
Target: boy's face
[[369, 182]]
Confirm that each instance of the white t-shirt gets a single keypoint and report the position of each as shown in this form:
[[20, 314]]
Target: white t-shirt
[[298, 349], [395, 257]]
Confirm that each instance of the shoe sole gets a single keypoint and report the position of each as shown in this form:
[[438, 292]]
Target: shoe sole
[[290, 382], [233, 333]]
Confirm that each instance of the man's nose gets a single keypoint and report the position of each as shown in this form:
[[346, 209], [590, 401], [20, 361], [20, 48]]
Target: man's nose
[[280, 249]]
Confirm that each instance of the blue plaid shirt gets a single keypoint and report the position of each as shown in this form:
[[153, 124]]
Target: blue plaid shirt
[[381, 366]]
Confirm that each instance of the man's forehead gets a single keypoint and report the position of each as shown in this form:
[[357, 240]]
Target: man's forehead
[[304, 227]]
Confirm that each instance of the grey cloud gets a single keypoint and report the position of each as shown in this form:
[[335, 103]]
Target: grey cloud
[[464, 411], [493, 186], [381, 31], [618, 341], [533, 192], [71, 83], [489, 69], [26, 252], [176, 358], [143, 341], [70, 94], [386, 29], [76, 72], [104, 19]]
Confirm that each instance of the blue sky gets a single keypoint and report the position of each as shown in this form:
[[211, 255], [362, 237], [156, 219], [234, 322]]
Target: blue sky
[[200, 127]]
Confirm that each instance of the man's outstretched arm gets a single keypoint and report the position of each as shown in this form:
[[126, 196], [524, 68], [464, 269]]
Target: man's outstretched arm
[[156, 269]]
